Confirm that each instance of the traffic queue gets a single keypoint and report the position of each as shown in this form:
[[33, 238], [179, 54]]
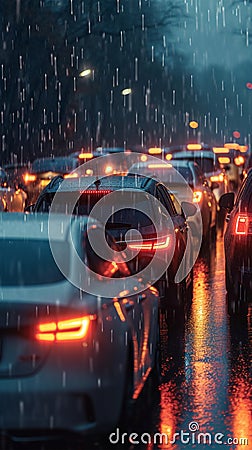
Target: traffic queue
[[99, 249]]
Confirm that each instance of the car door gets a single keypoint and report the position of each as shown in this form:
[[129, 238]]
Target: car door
[[180, 227]]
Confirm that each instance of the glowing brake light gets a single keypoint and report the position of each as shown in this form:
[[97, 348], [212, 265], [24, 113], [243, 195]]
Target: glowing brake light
[[96, 191], [217, 178], [239, 160], [224, 160], [243, 148], [194, 146], [159, 166], [29, 178], [232, 145], [243, 224], [64, 330], [71, 175], [150, 244], [155, 151], [87, 155], [197, 196], [220, 150]]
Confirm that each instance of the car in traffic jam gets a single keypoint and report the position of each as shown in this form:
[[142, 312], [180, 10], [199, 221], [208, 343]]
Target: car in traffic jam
[[125, 224], [238, 246], [191, 186], [80, 359], [139, 192]]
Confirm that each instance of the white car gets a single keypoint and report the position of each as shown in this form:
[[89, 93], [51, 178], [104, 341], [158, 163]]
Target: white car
[[71, 361], [186, 183], [208, 162]]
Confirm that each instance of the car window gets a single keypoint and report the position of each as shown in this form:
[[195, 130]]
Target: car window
[[61, 165], [206, 164], [165, 198], [86, 202], [30, 262], [243, 188], [245, 196], [199, 176], [185, 172]]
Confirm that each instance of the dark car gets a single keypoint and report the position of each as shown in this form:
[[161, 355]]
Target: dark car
[[238, 246], [43, 170], [16, 172], [141, 214]]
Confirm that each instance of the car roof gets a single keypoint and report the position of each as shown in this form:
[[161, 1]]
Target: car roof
[[190, 154], [189, 164], [58, 164]]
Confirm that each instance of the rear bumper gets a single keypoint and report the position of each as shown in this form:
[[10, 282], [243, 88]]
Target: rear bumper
[[75, 391], [35, 414]]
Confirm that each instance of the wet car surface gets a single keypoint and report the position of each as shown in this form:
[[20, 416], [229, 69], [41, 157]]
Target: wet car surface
[[205, 381]]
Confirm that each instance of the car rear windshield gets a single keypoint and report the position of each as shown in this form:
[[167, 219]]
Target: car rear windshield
[[167, 174], [26, 262], [61, 165], [186, 174], [86, 202], [207, 165]]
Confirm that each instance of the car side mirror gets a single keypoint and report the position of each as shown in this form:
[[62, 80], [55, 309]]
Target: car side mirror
[[227, 201], [29, 208], [214, 185], [188, 208]]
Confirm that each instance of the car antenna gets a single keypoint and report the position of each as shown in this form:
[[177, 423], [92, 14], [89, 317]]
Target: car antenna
[[97, 184]]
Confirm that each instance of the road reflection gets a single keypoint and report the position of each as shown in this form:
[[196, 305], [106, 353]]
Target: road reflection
[[240, 405], [207, 368]]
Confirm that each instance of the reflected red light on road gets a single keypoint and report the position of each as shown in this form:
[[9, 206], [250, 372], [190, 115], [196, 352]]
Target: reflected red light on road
[[170, 410], [242, 406]]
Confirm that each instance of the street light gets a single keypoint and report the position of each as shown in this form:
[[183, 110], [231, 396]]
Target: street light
[[193, 124], [126, 91], [85, 73]]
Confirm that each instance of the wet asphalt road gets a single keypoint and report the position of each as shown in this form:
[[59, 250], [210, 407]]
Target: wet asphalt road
[[206, 376]]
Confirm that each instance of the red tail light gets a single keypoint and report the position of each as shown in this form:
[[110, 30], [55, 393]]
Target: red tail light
[[150, 244], [64, 330], [243, 224]]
